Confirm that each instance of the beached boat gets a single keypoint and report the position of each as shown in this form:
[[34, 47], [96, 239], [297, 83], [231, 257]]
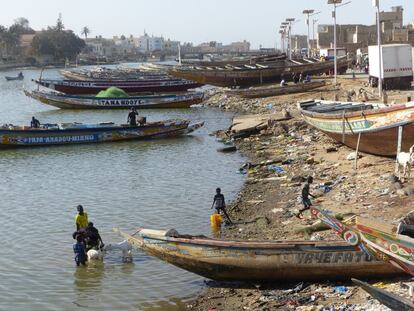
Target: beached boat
[[392, 301], [381, 240], [19, 77], [129, 86], [275, 90], [250, 75], [258, 260], [76, 133], [375, 124], [65, 101]]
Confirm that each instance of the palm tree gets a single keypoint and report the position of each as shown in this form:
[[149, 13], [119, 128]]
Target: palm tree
[[85, 31]]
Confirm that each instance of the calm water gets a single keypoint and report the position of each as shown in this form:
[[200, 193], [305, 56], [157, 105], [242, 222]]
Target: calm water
[[155, 184]]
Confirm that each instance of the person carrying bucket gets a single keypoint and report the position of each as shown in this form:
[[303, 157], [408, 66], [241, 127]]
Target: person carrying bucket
[[220, 204]]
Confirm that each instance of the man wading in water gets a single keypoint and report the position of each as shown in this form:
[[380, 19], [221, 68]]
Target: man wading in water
[[220, 205], [305, 196]]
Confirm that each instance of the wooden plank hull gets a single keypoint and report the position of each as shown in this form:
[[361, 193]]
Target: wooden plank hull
[[94, 87], [261, 261], [389, 300], [257, 76], [378, 127], [276, 90], [81, 134], [139, 102]]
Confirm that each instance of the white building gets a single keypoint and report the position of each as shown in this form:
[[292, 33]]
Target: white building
[[146, 43]]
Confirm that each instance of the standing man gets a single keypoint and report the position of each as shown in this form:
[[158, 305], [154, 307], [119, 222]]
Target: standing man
[[35, 123], [81, 219], [93, 237], [132, 117], [305, 196], [220, 204]]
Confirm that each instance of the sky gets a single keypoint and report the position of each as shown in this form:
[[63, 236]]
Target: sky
[[226, 21]]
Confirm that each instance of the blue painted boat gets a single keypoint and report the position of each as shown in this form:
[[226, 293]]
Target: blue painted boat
[[77, 133]]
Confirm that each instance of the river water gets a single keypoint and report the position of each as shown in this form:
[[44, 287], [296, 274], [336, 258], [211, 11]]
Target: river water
[[164, 184]]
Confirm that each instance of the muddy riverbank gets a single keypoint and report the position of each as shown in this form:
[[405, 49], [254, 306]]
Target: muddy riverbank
[[266, 207]]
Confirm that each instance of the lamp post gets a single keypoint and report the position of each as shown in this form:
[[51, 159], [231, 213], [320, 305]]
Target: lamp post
[[314, 21], [281, 40], [376, 4], [308, 14], [283, 34], [336, 4], [289, 21]]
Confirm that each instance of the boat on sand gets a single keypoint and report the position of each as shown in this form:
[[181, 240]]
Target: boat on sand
[[259, 260], [383, 241], [374, 125], [12, 136], [275, 90]]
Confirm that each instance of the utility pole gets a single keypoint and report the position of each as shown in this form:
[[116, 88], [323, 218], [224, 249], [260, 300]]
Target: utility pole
[[314, 21], [336, 4], [376, 4], [308, 14]]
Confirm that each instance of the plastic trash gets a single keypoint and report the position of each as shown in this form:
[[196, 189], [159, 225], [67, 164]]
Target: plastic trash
[[341, 289], [275, 168], [269, 106]]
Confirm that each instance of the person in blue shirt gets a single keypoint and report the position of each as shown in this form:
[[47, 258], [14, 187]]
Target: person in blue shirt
[[80, 251]]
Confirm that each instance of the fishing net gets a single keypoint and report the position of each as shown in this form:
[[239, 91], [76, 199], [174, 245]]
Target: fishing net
[[112, 92]]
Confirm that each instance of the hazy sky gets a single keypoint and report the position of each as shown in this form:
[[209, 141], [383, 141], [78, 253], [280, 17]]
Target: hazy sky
[[197, 21]]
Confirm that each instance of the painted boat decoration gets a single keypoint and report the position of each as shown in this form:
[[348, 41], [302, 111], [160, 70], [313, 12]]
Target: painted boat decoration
[[65, 101], [390, 300], [255, 74], [376, 123], [381, 240], [275, 90], [129, 86], [258, 260], [77, 133]]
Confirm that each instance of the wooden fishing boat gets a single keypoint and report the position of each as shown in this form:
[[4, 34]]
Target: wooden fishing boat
[[375, 124], [76, 133], [379, 239], [65, 101], [249, 75], [111, 74], [275, 90], [258, 260], [19, 77], [129, 86], [392, 301]]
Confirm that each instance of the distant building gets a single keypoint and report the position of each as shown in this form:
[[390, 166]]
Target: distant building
[[237, 47], [171, 46], [146, 44], [353, 37], [299, 42]]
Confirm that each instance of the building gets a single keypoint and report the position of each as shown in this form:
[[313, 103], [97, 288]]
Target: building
[[299, 42], [146, 44], [171, 46], [353, 37], [237, 47]]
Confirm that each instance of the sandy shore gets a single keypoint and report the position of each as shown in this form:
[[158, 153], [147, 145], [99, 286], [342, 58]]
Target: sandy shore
[[268, 202]]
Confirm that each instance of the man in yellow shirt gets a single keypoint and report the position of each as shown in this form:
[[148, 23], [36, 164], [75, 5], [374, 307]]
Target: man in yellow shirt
[[81, 219]]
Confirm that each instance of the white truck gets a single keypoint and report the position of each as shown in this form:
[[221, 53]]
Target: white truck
[[396, 69]]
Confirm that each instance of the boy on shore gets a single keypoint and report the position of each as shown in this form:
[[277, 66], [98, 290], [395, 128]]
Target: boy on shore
[[305, 196], [220, 205]]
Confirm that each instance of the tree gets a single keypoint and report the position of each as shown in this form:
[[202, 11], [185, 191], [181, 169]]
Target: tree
[[59, 23], [86, 31], [61, 44]]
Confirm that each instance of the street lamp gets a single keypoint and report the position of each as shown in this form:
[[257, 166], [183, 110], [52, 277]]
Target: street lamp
[[284, 26], [309, 13], [376, 4], [314, 21], [336, 3], [290, 21], [282, 33]]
